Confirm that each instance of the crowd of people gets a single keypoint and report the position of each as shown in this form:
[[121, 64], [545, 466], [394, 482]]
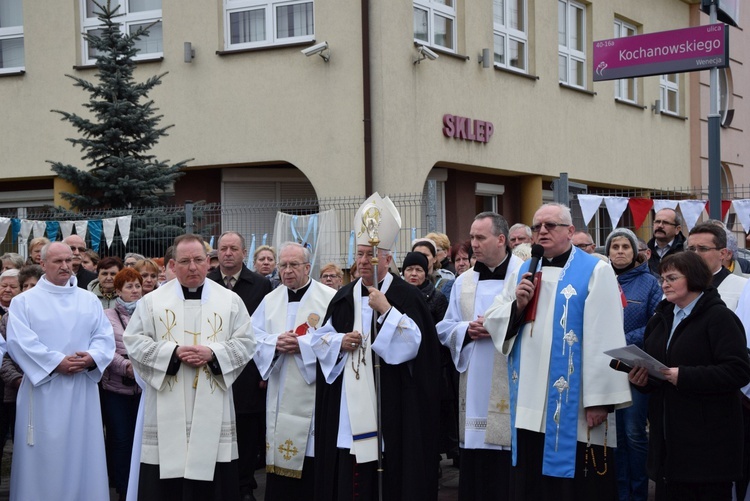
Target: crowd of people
[[178, 377]]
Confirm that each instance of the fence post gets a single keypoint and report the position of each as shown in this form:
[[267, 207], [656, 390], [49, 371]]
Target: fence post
[[431, 205], [188, 216]]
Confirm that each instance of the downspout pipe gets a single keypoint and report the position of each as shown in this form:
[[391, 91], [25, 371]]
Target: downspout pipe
[[366, 96]]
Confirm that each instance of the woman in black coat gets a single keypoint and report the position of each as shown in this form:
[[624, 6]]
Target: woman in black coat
[[696, 433]]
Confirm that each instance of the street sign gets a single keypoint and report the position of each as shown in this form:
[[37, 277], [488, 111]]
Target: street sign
[[677, 51]]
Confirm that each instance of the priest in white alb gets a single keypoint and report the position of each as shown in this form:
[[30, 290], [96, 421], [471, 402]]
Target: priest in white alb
[[484, 415], [563, 393], [189, 340], [283, 325], [59, 336]]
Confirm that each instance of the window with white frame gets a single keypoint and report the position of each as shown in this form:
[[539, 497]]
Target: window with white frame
[[135, 14], [670, 93], [625, 89], [510, 32], [11, 36], [258, 23], [435, 23], [571, 43]]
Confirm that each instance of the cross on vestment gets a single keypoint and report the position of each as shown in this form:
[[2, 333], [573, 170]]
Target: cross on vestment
[[195, 343], [288, 450], [503, 405]]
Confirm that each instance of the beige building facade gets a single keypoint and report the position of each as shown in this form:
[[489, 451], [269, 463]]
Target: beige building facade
[[375, 113]]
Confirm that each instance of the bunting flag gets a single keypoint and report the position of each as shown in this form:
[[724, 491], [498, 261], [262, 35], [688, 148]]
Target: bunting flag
[[615, 207], [38, 228], [350, 258], [725, 205], [23, 236], [123, 224], [691, 211], [265, 238], [5, 223], [67, 228], [108, 225], [211, 242], [639, 209], [16, 225], [664, 204], [413, 234], [589, 205], [742, 208], [95, 228], [251, 254], [81, 228], [53, 228]]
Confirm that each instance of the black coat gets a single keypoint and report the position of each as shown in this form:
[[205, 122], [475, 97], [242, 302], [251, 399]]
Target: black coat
[[696, 429], [410, 405], [677, 246], [84, 277], [252, 288]]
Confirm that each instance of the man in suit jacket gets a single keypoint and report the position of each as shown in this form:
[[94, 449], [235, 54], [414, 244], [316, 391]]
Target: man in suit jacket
[[249, 389]]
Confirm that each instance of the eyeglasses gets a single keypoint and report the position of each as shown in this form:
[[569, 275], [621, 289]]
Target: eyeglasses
[[701, 249], [669, 279], [198, 261], [547, 226], [664, 223], [583, 246], [79, 249], [329, 276], [292, 266]]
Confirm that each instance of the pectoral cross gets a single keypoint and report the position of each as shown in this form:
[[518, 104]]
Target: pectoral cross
[[503, 405]]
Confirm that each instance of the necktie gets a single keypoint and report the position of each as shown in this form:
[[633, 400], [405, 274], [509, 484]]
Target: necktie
[[229, 280]]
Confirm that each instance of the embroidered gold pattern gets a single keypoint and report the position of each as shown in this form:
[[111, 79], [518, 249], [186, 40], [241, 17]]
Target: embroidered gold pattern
[[288, 450], [216, 326], [170, 324]]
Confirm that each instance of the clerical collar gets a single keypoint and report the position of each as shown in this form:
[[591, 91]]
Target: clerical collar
[[192, 292], [558, 261], [295, 296], [366, 292], [497, 274], [719, 276]]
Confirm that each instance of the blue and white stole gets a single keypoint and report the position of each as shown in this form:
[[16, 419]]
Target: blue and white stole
[[564, 380]]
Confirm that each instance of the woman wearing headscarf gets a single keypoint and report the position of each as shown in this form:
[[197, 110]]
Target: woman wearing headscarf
[[642, 292]]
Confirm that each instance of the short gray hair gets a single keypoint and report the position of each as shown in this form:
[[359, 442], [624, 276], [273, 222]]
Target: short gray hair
[[565, 215], [10, 273], [305, 250], [521, 226], [15, 259]]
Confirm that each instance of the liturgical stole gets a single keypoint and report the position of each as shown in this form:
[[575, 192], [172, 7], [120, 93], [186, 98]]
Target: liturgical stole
[[565, 371], [498, 411], [190, 453], [360, 393], [288, 430]]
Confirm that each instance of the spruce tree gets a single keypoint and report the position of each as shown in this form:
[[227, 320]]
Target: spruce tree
[[122, 131]]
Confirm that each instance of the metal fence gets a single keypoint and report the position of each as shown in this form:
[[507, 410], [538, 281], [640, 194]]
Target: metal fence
[[154, 229], [600, 226]]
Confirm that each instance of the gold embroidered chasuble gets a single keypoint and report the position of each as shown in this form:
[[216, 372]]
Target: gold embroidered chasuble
[[189, 420]]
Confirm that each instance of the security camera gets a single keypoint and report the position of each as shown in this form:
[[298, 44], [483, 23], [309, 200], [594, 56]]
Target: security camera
[[425, 53], [318, 49]]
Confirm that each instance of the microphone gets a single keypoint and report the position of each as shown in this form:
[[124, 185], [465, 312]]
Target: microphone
[[537, 251]]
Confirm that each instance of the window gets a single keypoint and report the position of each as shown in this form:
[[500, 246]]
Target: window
[[11, 36], [571, 42], [511, 39], [625, 89], [258, 23], [670, 93], [434, 23], [135, 14]]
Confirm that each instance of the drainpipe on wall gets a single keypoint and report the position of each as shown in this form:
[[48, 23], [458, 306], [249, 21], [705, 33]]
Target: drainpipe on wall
[[366, 95]]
